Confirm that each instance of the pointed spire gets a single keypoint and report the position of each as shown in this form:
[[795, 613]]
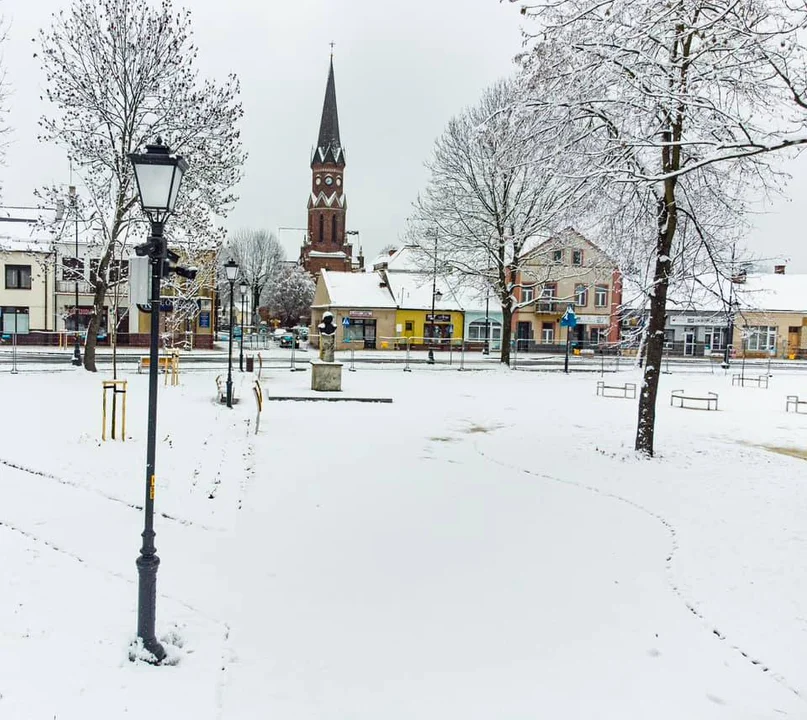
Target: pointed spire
[[329, 146]]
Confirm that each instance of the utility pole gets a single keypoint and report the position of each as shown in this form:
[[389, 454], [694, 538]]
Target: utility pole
[[77, 345]]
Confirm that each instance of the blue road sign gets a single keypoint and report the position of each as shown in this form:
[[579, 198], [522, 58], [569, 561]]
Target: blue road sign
[[569, 319], [346, 322]]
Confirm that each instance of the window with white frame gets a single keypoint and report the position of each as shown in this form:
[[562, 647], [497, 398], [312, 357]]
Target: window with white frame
[[714, 338], [527, 294], [760, 337], [479, 329], [601, 296], [580, 295], [548, 333]]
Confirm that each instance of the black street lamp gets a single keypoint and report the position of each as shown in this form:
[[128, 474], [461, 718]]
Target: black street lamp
[[436, 295], [158, 175], [243, 287], [231, 270], [77, 345]]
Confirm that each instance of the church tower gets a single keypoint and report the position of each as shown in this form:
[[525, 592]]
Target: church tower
[[325, 245]]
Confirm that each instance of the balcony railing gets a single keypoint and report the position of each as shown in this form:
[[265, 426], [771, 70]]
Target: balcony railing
[[69, 286], [547, 306]]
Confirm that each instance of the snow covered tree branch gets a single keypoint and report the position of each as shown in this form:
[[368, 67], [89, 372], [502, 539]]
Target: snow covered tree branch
[[119, 73]]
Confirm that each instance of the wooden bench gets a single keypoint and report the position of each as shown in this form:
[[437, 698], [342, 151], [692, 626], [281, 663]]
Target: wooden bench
[[694, 402], [760, 381], [794, 403], [627, 391], [144, 363]]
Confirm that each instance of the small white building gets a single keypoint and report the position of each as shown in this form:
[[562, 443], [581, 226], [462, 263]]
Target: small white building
[[26, 289]]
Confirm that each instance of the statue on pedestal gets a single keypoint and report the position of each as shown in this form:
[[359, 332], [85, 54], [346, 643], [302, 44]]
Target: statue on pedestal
[[327, 337]]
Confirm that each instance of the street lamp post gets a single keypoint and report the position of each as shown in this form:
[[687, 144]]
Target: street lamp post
[[158, 175], [231, 270], [243, 287], [77, 345], [435, 296]]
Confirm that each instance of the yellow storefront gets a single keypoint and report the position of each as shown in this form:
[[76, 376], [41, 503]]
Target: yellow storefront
[[419, 325]]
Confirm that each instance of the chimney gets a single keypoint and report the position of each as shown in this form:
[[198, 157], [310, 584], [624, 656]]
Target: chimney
[[391, 252], [779, 269]]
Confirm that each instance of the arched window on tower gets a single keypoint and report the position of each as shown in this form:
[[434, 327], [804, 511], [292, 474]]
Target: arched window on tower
[[333, 228], [321, 227]]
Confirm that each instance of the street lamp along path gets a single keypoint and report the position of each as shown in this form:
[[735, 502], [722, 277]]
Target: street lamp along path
[[231, 272], [158, 174]]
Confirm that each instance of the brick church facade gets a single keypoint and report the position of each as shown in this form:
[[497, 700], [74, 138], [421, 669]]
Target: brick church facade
[[325, 245]]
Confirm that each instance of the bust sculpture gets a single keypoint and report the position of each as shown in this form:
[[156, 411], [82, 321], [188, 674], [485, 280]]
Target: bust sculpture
[[327, 337]]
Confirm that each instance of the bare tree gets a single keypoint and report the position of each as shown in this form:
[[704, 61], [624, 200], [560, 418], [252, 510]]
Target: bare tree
[[291, 295], [260, 258], [120, 73], [669, 98], [495, 191]]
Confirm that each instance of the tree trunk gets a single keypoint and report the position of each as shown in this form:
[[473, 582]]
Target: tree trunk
[[98, 308], [645, 429], [507, 332]]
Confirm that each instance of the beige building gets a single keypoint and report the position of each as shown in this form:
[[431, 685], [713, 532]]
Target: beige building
[[771, 315], [562, 271], [363, 308], [27, 285]]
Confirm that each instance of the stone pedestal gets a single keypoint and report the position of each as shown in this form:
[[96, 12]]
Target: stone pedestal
[[326, 376]]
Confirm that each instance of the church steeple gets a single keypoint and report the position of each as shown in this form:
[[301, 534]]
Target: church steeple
[[329, 146], [326, 245]]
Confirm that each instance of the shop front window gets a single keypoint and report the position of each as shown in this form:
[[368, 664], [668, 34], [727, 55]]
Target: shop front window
[[15, 320]]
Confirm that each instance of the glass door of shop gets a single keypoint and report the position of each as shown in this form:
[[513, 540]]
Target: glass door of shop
[[369, 335], [689, 342]]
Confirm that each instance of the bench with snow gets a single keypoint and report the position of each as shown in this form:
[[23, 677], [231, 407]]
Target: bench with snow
[[627, 390], [793, 403], [221, 391], [693, 402], [760, 381]]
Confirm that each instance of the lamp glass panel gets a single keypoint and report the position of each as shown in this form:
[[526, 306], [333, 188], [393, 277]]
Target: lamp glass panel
[[178, 174], [231, 271], [154, 182]]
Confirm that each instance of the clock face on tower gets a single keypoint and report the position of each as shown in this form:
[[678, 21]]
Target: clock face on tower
[[329, 180]]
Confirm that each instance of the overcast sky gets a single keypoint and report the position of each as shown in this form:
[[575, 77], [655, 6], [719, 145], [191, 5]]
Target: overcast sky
[[402, 70]]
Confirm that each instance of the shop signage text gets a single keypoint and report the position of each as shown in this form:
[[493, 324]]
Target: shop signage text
[[697, 320], [593, 320], [361, 313], [438, 318]]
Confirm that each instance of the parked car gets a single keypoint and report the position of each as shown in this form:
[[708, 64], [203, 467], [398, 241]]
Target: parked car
[[289, 338]]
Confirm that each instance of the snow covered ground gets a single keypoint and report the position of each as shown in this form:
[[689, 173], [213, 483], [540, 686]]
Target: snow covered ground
[[487, 546]]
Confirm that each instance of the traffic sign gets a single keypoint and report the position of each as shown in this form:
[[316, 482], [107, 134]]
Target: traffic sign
[[569, 319], [346, 322]]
